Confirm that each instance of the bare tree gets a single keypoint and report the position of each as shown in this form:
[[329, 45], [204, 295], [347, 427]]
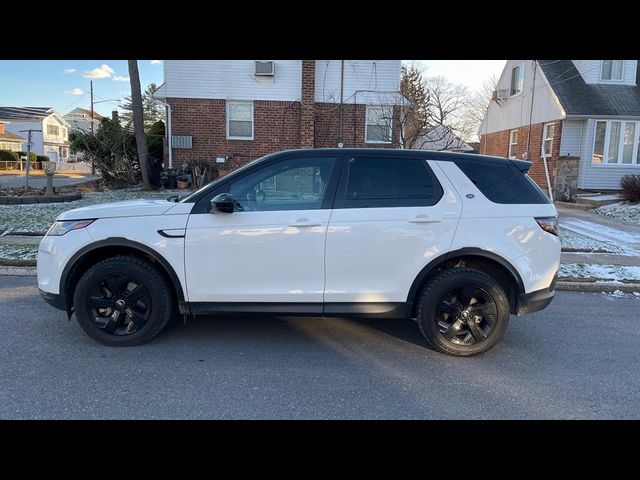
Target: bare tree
[[478, 103], [449, 126], [432, 116], [138, 123]]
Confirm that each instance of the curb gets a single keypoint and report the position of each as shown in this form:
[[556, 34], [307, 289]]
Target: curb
[[599, 287], [18, 271]]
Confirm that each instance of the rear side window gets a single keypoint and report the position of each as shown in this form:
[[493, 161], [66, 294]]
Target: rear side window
[[502, 182], [390, 182]]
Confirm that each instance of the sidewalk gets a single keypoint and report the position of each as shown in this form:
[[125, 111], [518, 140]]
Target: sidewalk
[[40, 181]]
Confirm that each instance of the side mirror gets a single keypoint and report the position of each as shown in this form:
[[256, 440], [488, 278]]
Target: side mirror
[[223, 203]]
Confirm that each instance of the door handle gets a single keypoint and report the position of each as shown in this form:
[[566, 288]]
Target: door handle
[[425, 219], [305, 222]]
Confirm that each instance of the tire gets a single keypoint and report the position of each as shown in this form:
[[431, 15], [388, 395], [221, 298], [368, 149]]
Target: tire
[[457, 326], [144, 311]]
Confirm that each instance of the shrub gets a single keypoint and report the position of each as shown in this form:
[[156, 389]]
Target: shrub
[[42, 158], [8, 156], [630, 188], [32, 157]]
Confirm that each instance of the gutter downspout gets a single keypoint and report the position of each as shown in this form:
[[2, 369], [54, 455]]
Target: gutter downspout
[[169, 136]]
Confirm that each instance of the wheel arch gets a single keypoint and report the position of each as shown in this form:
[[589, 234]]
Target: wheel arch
[[110, 247], [491, 263]]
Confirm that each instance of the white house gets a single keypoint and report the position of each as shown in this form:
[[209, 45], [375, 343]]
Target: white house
[[9, 140], [51, 140], [80, 119], [585, 113]]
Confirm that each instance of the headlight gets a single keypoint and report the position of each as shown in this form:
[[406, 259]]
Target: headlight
[[60, 228]]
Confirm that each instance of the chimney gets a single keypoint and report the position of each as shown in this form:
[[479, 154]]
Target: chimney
[[307, 120]]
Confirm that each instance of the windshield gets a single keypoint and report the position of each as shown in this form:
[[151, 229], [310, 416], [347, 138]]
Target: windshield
[[187, 197]]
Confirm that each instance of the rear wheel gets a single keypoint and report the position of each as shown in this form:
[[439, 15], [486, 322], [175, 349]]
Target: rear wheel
[[122, 301], [463, 312]]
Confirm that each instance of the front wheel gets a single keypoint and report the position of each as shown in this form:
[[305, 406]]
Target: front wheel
[[122, 301], [463, 312]]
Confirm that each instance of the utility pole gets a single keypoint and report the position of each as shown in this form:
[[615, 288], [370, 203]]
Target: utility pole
[[340, 142], [93, 164], [26, 186]]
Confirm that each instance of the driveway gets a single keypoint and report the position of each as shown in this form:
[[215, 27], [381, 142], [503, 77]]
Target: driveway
[[577, 359]]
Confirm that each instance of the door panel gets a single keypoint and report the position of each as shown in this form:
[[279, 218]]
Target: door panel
[[272, 250], [373, 254]]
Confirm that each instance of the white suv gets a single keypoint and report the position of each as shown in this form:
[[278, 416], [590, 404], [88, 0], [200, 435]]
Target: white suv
[[456, 241]]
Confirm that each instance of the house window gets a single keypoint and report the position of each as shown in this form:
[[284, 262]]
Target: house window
[[513, 143], [611, 70], [13, 147], [615, 143], [517, 79], [549, 132], [379, 124], [53, 130], [240, 120]]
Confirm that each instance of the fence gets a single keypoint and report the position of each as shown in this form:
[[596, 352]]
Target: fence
[[61, 166]]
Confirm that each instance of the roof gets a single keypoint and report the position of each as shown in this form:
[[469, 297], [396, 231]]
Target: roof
[[25, 113], [440, 156], [442, 137], [580, 98], [10, 136], [84, 111]]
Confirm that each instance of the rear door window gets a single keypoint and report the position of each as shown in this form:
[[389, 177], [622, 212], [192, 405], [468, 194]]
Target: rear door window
[[389, 182]]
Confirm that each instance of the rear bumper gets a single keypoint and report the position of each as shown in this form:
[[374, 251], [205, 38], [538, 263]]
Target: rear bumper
[[54, 299], [538, 300]]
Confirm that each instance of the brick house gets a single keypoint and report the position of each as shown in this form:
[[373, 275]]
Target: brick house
[[586, 113], [233, 111]]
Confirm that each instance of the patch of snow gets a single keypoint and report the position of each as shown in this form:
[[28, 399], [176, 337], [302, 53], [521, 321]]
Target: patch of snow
[[39, 217], [599, 231], [629, 212], [572, 241], [602, 273]]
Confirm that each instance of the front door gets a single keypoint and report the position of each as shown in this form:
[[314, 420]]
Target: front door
[[271, 248]]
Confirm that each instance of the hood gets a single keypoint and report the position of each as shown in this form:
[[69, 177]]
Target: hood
[[129, 208]]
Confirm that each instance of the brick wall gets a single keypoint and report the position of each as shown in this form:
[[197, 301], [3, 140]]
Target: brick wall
[[497, 143], [278, 126], [307, 117]]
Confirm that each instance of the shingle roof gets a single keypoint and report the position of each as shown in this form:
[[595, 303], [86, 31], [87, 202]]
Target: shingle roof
[[86, 112], [24, 113], [7, 135], [580, 98]]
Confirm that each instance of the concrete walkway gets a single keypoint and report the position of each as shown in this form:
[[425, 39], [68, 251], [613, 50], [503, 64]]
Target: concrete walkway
[[40, 181]]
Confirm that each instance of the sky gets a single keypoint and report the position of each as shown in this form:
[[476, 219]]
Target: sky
[[64, 84], [471, 73]]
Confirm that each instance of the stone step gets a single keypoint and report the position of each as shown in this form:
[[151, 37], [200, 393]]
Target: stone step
[[597, 200]]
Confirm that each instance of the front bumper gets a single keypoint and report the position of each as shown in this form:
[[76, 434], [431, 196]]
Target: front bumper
[[54, 299]]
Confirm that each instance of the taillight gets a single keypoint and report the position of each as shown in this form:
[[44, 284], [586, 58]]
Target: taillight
[[548, 224]]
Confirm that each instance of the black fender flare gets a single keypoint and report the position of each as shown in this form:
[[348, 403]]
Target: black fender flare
[[468, 251], [121, 242]]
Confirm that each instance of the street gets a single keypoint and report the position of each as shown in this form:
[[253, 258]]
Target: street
[[577, 359]]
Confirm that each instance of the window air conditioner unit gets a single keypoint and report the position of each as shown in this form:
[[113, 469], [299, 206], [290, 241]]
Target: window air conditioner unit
[[503, 93], [265, 69]]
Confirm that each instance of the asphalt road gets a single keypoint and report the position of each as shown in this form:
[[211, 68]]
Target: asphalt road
[[580, 358]]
